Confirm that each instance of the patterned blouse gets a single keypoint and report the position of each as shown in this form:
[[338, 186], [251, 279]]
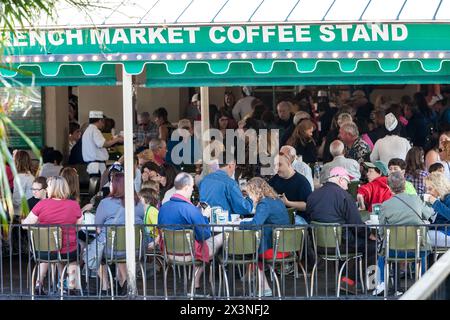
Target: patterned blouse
[[360, 151], [418, 182]]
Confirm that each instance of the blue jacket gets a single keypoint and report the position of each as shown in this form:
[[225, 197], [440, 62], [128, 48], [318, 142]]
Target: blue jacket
[[442, 208], [268, 212], [218, 189], [179, 212]]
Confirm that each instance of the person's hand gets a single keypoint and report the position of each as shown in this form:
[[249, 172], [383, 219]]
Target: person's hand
[[87, 207], [432, 199], [207, 212], [285, 200], [145, 177], [119, 139], [372, 237]]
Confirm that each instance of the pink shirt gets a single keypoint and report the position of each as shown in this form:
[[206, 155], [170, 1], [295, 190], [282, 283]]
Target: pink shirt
[[51, 211]]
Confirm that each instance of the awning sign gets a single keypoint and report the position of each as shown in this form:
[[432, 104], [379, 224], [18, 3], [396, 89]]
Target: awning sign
[[232, 38]]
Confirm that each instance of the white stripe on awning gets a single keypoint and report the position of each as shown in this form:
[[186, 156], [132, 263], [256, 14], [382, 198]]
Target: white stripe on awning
[[169, 12]]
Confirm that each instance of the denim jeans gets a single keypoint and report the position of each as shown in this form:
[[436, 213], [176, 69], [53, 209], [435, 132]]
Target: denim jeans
[[400, 254]]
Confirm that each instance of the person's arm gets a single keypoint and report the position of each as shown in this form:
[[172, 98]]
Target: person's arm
[[30, 219], [440, 207], [112, 142], [299, 205], [261, 215], [238, 203], [200, 222], [163, 132]]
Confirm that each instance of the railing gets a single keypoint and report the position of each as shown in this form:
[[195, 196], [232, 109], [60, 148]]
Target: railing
[[312, 261]]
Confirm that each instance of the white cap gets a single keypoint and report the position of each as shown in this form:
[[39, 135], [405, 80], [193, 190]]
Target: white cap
[[390, 121], [95, 114], [322, 93], [435, 99], [195, 98]]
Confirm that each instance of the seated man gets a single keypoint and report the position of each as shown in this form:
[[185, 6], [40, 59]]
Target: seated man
[[292, 187], [399, 165], [339, 160], [180, 211], [298, 164], [377, 190], [340, 208], [219, 189]]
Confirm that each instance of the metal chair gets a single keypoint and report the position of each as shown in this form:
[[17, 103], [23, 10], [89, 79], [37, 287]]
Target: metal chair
[[115, 243], [291, 212], [48, 239], [179, 251], [289, 240], [329, 236], [240, 248], [404, 239]]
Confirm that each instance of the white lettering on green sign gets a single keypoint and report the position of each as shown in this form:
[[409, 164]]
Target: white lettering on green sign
[[214, 35]]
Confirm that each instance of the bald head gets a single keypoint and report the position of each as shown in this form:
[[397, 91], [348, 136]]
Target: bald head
[[289, 151], [337, 148]]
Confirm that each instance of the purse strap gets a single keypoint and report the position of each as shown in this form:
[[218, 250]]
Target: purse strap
[[419, 215]]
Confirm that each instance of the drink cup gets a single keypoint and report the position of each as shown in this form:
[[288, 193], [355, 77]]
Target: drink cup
[[374, 219], [426, 197]]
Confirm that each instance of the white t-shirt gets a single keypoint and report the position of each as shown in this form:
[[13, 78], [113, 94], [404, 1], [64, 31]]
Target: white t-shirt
[[93, 150], [26, 181], [169, 193], [50, 170], [390, 147], [242, 107]]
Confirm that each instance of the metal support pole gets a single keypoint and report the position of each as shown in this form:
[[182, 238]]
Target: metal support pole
[[204, 100], [127, 87]]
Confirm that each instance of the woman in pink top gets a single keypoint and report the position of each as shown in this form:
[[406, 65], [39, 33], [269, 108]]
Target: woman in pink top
[[58, 210]]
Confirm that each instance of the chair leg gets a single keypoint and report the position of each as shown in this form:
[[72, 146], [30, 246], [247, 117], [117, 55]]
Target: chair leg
[[61, 281], [144, 281], [33, 273], [277, 283], [339, 278], [306, 279], [111, 281], [361, 274], [386, 279], [212, 281], [165, 269], [225, 281], [312, 278], [194, 272], [79, 279]]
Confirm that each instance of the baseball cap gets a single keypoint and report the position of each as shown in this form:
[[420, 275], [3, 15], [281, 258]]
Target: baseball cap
[[390, 122], [96, 115], [380, 165], [340, 172]]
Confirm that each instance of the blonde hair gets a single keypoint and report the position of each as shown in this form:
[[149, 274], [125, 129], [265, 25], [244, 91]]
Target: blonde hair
[[58, 188], [260, 188], [150, 184], [438, 181]]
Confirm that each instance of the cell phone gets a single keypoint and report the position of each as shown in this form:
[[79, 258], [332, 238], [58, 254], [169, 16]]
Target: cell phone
[[204, 205]]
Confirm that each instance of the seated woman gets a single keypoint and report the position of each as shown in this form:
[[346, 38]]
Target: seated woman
[[149, 198], [401, 209], [438, 187], [111, 211], [269, 210], [58, 210], [377, 190]]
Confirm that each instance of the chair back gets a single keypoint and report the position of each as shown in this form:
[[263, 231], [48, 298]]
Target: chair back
[[291, 212], [404, 238], [178, 242], [242, 242], [94, 185], [116, 238], [327, 235], [288, 239], [353, 188], [47, 239]]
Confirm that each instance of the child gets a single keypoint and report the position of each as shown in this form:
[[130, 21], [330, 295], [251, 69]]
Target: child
[[150, 199]]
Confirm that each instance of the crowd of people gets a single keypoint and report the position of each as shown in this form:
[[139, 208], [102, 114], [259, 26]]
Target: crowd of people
[[398, 155]]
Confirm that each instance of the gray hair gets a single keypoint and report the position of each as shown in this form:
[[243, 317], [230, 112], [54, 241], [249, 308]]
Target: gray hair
[[182, 180], [156, 144], [344, 117], [300, 115], [290, 150], [396, 182], [350, 128], [336, 148]]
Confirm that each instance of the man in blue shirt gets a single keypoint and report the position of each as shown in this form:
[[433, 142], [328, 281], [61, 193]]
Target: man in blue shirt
[[180, 213], [219, 189]]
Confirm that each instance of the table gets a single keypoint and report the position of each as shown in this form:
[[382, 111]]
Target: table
[[230, 226]]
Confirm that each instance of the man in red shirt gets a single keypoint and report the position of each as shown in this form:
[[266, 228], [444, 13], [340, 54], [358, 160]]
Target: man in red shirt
[[377, 190]]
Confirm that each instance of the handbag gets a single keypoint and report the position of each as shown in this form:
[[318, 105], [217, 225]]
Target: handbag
[[425, 221], [93, 253]]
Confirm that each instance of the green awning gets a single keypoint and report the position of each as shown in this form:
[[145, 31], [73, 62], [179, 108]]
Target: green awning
[[67, 75]]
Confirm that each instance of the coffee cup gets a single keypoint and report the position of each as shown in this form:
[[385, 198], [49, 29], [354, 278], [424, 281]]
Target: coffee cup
[[426, 197], [374, 219], [234, 217]]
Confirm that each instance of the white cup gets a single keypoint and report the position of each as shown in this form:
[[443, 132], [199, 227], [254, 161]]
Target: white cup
[[374, 219], [234, 217], [426, 197]]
